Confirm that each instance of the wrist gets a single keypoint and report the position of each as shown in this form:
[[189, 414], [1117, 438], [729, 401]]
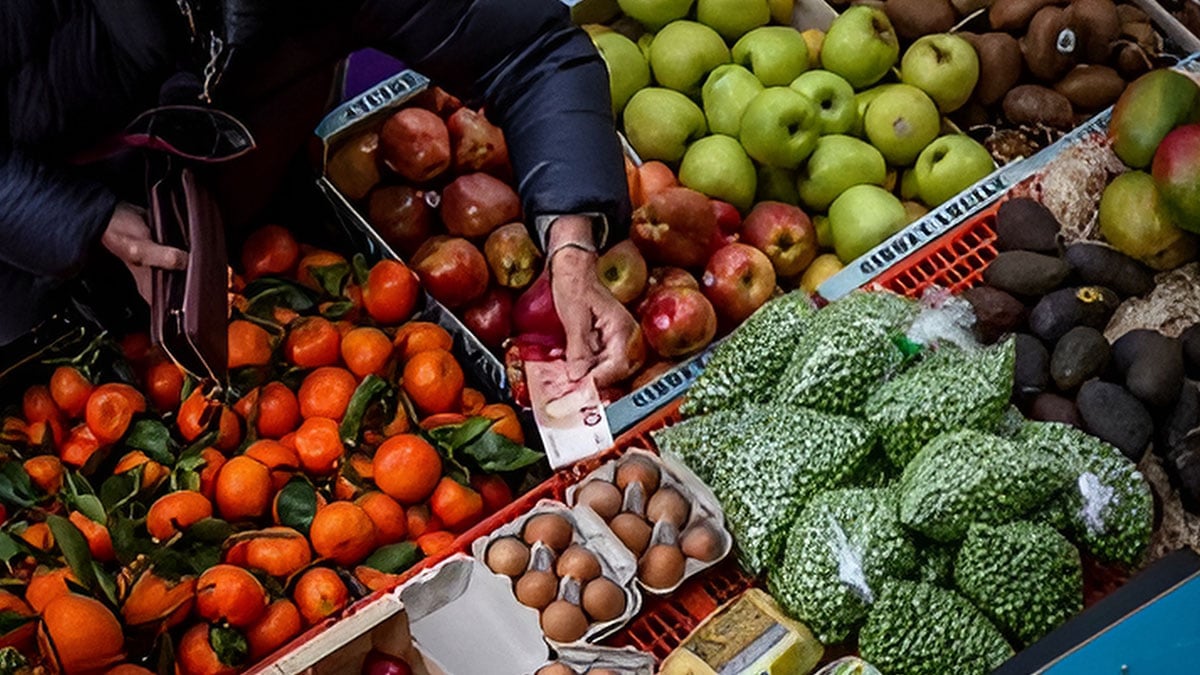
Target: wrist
[[570, 230]]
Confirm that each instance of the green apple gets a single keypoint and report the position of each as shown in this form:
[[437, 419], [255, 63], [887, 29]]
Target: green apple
[[861, 46], [824, 234], [908, 184], [814, 38], [718, 166], [776, 185], [900, 122], [660, 123], [950, 165], [644, 43], [862, 101], [654, 14], [780, 127], [775, 54], [945, 66], [1134, 220], [838, 164], [684, 53], [834, 98], [725, 94], [627, 68], [862, 218], [781, 10], [733, 18]]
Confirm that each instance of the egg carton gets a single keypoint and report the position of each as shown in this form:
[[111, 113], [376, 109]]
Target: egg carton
[[626, 661], [616, 562], [704, 507]]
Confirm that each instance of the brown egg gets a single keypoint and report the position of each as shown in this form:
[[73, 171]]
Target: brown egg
[[638, 469], [549, 528], [701, 542], [602, 497], [669, 505], [633, 531], [508, 556], [555, 669], [601, 671], [603, 600], [661, 567], [578, 563], [537, 588], [563, 622]]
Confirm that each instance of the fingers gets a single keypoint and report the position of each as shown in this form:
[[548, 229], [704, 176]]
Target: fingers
[[622, 351], [149, 254], [128, 237]]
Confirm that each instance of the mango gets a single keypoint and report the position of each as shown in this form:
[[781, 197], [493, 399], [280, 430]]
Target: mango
[[1176, 172], [1134, 221], [1148, 110]]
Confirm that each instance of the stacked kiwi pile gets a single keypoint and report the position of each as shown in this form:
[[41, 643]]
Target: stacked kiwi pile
[[1130, 393], [661, 558], [538, 561], [1045, 65]]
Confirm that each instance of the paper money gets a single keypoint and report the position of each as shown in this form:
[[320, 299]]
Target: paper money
[[569, 415]]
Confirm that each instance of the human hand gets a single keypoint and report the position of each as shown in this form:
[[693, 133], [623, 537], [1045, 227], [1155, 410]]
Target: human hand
[[603, 338], [128, 238]]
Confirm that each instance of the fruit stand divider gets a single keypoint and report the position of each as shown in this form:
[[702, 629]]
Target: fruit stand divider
[[952, 244]]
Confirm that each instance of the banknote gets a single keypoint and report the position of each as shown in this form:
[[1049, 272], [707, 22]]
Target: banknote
[[569, 414]]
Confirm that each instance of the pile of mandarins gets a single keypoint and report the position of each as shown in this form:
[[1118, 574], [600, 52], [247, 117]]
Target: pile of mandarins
[[144, 521]]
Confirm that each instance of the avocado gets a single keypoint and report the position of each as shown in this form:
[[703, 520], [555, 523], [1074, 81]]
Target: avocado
[[1100, 265], [1062, 310], [1024, 224], [1025, 273], [1080, 355], [1116, 417]]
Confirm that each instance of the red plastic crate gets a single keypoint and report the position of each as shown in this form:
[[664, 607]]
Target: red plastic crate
[[954, 261]]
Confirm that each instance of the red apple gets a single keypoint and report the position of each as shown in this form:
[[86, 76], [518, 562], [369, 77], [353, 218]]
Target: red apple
[[451, 269], [512, 255], [477, 203], [402, 216], [670, 277], [1176, 171], [678, 322], [438, 101], [478, 144], [354, 167], [415, 144], [738, 280], [490, 317], [784, 233], [534, 311], [729, 221], [676, 227], [622, 269]]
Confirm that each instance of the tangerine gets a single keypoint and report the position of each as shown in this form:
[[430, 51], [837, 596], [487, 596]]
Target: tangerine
[[230, 594], [38, 405], [312, 342], [270, 249], [415, 337], [229, 430], [342, 532], [12, 603], [213, 461], [164, 382], [152, 471], [326, 392], [110, 410], [195, 415], [278, 551], [80, 446], [506, 423], [280, 623], [70, 390], [46, 472], [472, 401], [98, 540], [39, 536], [281, 460], [391, 523], [82, 634], [495, 492], [195, 654], [407, 468], [366, 351], [243, 489], [249, 344], [175, 512], [390, 294], [434, 381], [314, 261], [457, 505], [128, 669], [154, 600], [47, 584], [320, 593], [319, 445], [436, 543], [421, 521], [278, 411]]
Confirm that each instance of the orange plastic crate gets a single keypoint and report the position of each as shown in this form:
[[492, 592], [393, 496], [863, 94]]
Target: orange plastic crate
[[954, 261]]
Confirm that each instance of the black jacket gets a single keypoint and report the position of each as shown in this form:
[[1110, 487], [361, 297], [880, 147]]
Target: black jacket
[[74, 72]]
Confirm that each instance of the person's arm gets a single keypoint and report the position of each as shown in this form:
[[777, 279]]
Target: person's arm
[[546, 86]]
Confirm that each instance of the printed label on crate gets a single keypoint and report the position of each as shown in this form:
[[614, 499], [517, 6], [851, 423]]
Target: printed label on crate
[[639, 404], [569, 415]]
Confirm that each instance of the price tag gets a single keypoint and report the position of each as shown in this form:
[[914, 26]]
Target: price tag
[[569, 415]]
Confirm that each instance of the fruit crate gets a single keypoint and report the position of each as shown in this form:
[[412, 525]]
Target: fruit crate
[[952, 245]]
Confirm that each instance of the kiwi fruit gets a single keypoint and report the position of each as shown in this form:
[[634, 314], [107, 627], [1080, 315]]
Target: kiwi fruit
[[1049, 49], [640, 470], [1032, 104], [537, 588], [600, 496], [1131, 61], [661, 567], [1000, 65], [1096, 24], [603, 600], [914, 18], [633, 531], [701, 542], [563, 621], [549, 528], [667, 504], [578, 563], [1090, 87], [1131, 14], [1013, 15], [508, 556]]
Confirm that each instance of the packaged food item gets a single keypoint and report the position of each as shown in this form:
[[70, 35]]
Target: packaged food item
[[750, 635]]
